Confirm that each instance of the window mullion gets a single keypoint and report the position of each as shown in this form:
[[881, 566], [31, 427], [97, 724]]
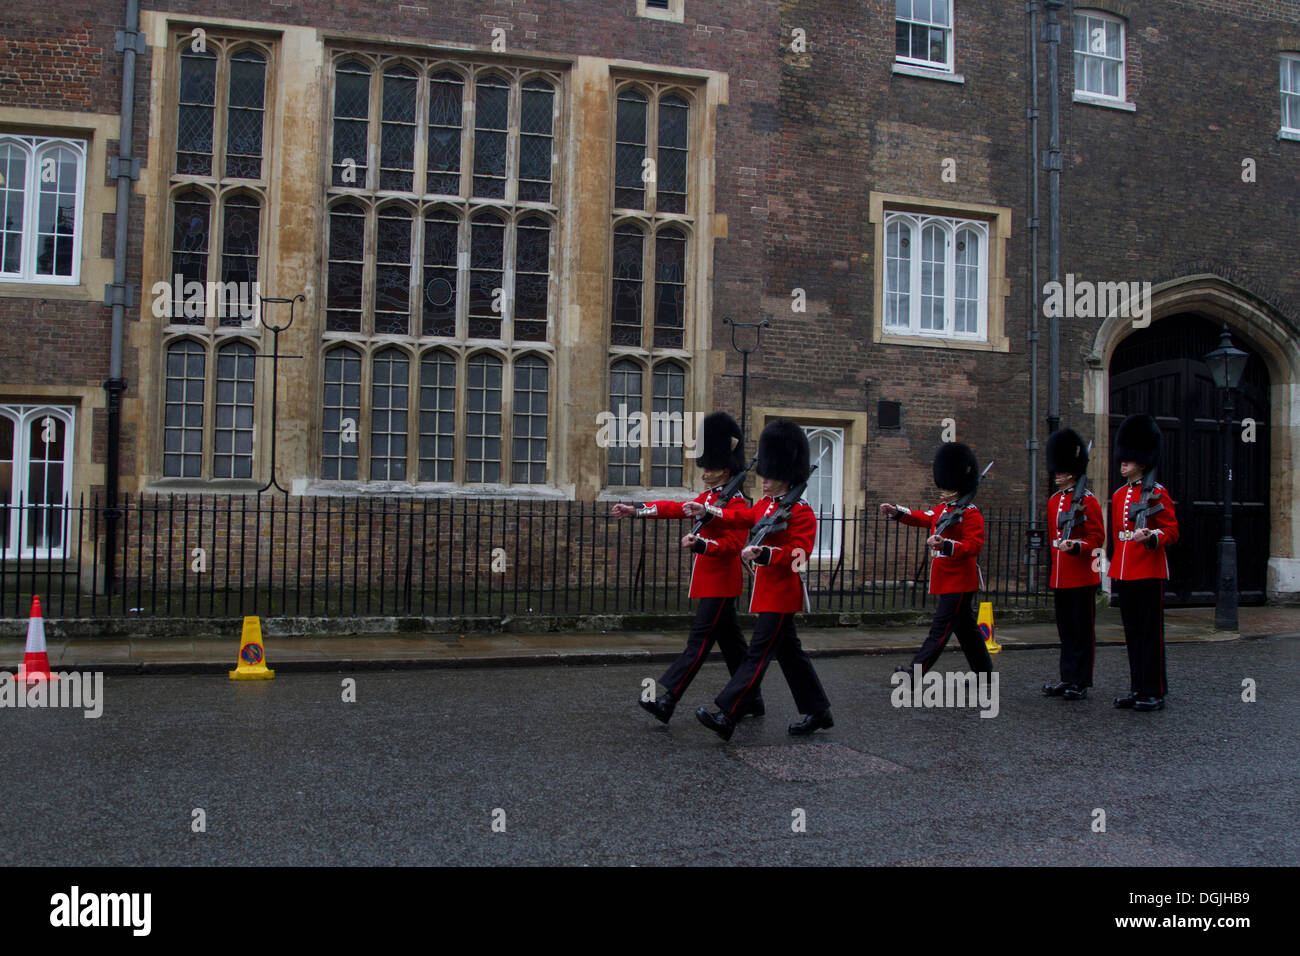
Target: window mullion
[[652, 151], [514, 112], [364, 415], [950, 279], [220, 107], [914, 270], [508, 246], [420, 162], [459, 444]]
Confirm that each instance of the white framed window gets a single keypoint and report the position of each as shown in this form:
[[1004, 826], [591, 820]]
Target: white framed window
[[923, 34], [825, 492], [42, 187], [1099, 56], [35, 479], [673, 10], [936, 276], [1289, 81]]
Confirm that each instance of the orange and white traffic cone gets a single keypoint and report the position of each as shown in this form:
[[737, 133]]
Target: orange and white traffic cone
[[36, 662]]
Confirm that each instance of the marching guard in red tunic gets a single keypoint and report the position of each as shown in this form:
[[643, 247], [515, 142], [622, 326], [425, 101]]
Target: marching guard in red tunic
[[954, 574], [1074, 577], [1143, 525], [779, 592], [716, 578]]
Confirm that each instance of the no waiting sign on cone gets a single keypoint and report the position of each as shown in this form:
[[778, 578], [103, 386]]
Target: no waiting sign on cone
[[36, 662]]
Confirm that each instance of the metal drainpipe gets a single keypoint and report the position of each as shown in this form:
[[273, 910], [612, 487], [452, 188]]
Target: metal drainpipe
[[1053, 165], [130, 42], [1032, 297]]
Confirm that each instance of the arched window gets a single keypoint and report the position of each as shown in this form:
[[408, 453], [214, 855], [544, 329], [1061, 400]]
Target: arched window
[[341, 415], [670, 288], [486, 276], [936, 286], [397, 136], [41, 209], [388, 415], [441, 262], [437, 416], [825, 487], [446, 96], [183, 409], [532, 278], [626, 319], [232, 436], [667, 424], [191, 228], [393, 271], [898, 274], [674, 139], [197, 111], [531, 402], [536, 121], [483, 420], [630, 150], [36, 471], [625, 396], [244, 115], [240, 233], [351, 123], [491, 122], [346, 262]]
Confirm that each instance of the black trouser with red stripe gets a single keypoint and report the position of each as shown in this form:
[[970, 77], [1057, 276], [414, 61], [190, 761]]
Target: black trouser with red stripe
[[956, 612], [1142, 608], [774, 636], [715, 621], [1076, 610]]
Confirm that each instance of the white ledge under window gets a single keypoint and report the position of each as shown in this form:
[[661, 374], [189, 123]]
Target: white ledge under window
[[1289, 134], [378, 489], [907, 69], [1109, 104]]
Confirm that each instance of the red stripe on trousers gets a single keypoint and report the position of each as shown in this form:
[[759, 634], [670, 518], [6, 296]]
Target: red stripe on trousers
[[771, 644], [703, 644]]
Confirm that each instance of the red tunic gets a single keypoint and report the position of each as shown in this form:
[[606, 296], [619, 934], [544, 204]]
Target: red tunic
[[777, 586], [715, 570], [1133, 560], [1075, 570], [956, 571]]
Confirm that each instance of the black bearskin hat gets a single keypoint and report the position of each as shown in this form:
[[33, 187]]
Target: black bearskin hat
[[783, 452], [955, 468], [721, 444], [1066, 452], [1138, 439]]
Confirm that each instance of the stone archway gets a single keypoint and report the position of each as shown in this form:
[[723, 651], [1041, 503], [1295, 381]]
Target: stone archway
[[1276, 340]]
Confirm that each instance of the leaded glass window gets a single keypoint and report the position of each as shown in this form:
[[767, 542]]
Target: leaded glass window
[[535, 141], [197, 111], [388, 415], [397, 139], [351, 123], [183, 410], [532, 278], [192, 213], [393, 271], [437, 416], [446, 92], [486, 276], [625, 384], [483, 420], [528, 455], [341, 414], [626, 320], [247, 99], [347, 225], [674, 139], [669, 406], [438, 286], [232, 450], [670, 288], [239, 245], [630, 150], [491, 121]]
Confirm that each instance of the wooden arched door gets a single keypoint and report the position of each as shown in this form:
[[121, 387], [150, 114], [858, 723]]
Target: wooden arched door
[[1160, 370]]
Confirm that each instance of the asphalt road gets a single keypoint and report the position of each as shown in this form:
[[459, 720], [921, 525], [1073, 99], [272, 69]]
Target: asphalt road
[[287, 773]]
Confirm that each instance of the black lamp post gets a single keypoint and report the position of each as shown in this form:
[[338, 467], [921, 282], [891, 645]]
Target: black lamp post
[[1226, 365]]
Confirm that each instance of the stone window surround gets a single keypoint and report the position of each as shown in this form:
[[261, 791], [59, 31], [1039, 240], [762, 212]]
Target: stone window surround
[[999, 285]]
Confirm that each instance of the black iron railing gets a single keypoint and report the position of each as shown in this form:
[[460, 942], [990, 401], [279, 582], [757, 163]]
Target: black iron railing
[[276, 555]]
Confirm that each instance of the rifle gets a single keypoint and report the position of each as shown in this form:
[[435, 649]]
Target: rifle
[[1140, 510], [959, 506], [730, 491], [779, 519], [1073, 518], [957, 509]]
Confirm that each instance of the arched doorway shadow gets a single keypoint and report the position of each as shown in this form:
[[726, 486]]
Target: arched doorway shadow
[[1159, 370], [1257, 327]]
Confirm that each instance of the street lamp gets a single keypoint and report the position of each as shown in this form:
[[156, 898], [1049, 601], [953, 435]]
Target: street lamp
[[1226, 365]]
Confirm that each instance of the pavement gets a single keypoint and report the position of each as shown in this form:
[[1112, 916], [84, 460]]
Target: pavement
[[432, 650]]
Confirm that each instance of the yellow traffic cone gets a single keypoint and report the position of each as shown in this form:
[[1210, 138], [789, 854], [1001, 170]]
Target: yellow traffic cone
[[252, 656], [985, 621]]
